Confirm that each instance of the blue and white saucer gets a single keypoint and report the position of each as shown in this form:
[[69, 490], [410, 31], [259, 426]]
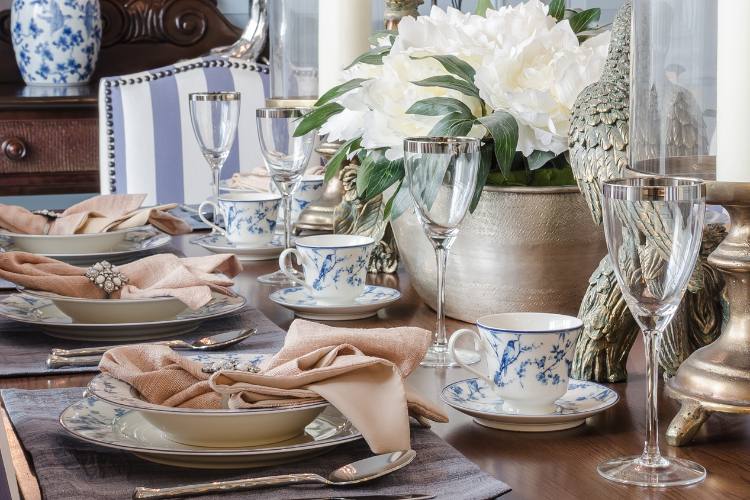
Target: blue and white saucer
[[218, 243], [475, 397], [304, 305]]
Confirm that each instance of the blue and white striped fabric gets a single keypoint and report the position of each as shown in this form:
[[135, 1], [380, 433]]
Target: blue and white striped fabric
[[147, 143]]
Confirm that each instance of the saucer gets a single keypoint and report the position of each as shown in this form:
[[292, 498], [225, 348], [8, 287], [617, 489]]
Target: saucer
[[133, 243], [304, 305], [474, 397], [218, 243], [103, 424], [42, 313]]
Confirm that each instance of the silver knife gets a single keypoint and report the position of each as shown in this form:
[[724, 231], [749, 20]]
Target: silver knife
[[54, 361], [415, 496]]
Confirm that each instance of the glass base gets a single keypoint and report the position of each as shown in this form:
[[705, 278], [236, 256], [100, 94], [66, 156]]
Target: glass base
[[666, 472], [279, 278], [438, 356]]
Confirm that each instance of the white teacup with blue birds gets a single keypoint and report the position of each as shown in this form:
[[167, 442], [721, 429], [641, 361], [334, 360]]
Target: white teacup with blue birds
[[250, 218], [310, 189], [529, 357], [334, 265]]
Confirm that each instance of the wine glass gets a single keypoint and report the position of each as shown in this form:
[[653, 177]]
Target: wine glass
[[441, 174], [215, 116], [654, 227], [286, 158]]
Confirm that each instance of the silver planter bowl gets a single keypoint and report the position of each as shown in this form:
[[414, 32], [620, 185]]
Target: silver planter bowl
[[523, 249]]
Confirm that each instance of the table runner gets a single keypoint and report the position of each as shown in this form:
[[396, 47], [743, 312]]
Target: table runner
[[69, 468], [24, 349]]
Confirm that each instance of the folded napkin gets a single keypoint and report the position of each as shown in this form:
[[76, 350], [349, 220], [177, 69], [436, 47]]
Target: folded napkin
[[99, 214], [258, 179], [190, 279], [361, 372]]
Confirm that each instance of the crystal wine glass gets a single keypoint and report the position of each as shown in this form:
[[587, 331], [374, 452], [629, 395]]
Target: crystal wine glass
[[286, 158], [215, 116], [654, 227], [441, 175]]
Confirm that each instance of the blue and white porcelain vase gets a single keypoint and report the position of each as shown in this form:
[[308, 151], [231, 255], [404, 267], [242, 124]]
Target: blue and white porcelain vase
[[56, 41]]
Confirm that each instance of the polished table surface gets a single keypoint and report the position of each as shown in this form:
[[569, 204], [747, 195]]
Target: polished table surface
[[553, 465]]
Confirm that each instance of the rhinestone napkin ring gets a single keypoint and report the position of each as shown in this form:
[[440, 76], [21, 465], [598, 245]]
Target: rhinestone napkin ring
[[106, 276]]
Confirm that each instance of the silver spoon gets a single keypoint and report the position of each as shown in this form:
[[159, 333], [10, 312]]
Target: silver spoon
[[353, 473], [89, 356]]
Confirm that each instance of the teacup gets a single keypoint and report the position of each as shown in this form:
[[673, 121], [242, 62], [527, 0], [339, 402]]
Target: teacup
[[310, 189], [529, 356], [334, 265], [250, 218]]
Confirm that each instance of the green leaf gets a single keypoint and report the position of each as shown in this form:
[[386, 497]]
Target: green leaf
[[317, 117], [557, 9], [439, 106], [504, 130], [374, 39], [553, 177], [402, 201], [537, 159], [485, 163], [450, 82], [483, 5], [389, 205], [454, 66], [453, 125], [583, 20], [334, 164], [340, 90], [372, 56], [377, 173]]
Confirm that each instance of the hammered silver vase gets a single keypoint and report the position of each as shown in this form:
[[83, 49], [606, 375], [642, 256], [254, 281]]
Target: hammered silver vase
[[523, 249]]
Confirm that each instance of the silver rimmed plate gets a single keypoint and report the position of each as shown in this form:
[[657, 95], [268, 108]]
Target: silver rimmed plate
[[41, 312], [224, 428], [366, 305], [134, 242], [101, 423], [475, 397], [217, 243]]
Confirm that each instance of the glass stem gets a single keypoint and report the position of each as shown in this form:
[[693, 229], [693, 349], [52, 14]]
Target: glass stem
[[651, 454], [441, 254], [288, 221]]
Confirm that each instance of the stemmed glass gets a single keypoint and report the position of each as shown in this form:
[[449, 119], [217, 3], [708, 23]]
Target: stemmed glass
[[441, 175], [286, 158], [654, 227], [215, 116]]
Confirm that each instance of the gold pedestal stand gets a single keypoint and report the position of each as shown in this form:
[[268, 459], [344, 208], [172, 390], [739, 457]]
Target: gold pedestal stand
[[716, 378], [319, 216]]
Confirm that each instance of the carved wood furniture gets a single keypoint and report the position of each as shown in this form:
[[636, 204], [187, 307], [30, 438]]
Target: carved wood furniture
[[49, 140]]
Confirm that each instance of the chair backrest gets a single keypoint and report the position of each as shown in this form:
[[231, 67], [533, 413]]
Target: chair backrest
[[147, 143]]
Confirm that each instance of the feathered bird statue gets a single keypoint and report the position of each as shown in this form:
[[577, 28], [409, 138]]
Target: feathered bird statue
[[599, 141]]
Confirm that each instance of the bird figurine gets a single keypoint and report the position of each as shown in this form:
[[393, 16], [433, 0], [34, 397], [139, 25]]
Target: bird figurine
[[599, 142]]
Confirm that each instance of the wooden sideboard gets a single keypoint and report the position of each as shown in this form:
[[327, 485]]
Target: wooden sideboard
[[49, 143]]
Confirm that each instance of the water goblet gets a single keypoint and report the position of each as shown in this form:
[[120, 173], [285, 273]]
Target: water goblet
[[215, 116], [441, 173], [653, 227], [286, 158]]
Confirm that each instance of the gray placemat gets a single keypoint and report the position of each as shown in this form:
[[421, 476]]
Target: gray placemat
[[24, 349], [69, 468]]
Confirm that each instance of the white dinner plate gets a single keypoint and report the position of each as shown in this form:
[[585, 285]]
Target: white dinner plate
[[41, 312], [219, 244], [475, 397], [218, 428], [366, 305], [135, 242], [101, 423], [68, 244]]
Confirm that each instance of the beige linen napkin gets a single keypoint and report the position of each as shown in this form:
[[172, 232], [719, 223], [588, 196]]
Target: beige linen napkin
[[95, 215], [361, 372], [191, 279], [259, 180]]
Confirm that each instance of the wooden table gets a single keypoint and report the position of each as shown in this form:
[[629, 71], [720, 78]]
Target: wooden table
[[555, 465]]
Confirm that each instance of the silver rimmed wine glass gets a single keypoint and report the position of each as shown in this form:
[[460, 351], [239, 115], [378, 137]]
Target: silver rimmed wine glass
[[441, 173], [654, 227], [215, 116], [286, 158]]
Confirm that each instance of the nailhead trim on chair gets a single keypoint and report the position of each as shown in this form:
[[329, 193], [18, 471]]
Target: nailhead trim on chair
[[109, 113]]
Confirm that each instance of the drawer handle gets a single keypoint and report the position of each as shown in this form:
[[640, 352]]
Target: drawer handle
[[14, 149]]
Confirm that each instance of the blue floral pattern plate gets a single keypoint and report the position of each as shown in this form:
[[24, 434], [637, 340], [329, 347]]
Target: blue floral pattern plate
[[475, 397], [218, 243], [103, 424], [366, 305]]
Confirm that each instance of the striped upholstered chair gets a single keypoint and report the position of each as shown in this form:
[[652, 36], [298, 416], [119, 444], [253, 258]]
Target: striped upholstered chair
[[146, 138]]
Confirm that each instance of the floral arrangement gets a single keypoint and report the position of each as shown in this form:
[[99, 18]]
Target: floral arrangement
[[509, 77]]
